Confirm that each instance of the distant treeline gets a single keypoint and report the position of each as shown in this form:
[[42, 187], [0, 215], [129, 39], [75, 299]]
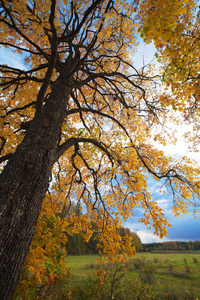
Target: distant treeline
[[77, 246], [175, 246]]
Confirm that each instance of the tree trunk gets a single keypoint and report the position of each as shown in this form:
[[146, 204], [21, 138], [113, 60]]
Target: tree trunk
[[23, 184]]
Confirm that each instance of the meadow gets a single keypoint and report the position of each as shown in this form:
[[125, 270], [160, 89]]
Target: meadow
[[145, 276]]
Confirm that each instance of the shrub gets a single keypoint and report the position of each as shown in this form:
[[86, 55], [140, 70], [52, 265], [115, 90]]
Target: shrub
[[92, 265], [155, 260], [166, 261], [184, 274], [138, 263], [185, 261], [111, 282], [45, 266], [195, 260], [147, 272], [170, 267], [187, 269]]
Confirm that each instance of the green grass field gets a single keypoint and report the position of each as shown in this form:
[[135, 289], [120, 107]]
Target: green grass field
[[170, 275], [78, 262]]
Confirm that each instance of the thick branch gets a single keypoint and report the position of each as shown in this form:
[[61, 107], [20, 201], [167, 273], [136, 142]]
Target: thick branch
[[5, 157], [21, 108], [72, 141], [47, 78], [19, 48], [52, 17], [85, 16], [83, 109], [106, 75]]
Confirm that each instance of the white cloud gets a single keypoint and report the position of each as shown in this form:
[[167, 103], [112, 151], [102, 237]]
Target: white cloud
[[147, 236], [144, 55], [181, 147], [12, 59], [165, 204]]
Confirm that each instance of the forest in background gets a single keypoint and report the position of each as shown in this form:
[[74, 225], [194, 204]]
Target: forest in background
[[77, 246], [172, 245]]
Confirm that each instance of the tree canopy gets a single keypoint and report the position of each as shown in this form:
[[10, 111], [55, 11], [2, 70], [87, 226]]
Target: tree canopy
[[81, 116], [174, 28]]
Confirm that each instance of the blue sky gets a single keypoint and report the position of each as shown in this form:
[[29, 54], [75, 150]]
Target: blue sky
[[186, 227], [183, 228]]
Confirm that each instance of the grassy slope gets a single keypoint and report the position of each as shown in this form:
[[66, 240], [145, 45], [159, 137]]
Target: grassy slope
[[170, 276]]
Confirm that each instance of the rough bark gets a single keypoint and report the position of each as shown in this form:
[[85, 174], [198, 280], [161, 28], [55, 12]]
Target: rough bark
[[23, 184]]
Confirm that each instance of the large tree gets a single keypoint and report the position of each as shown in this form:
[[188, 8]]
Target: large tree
[[80, 106]]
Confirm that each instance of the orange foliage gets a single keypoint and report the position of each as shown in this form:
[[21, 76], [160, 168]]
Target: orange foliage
[[110, 115]]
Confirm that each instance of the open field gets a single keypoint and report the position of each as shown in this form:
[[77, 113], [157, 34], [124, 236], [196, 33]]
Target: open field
[[158, 275]]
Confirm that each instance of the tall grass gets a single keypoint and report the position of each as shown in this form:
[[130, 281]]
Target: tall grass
[[146, 276]]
